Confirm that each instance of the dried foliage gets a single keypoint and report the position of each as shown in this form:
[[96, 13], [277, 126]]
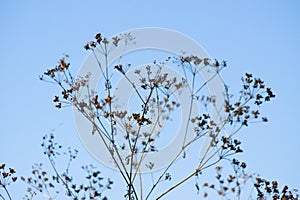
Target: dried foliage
[[271, 189], [7, 176], [155, 92], [50, 185], [138, 131]]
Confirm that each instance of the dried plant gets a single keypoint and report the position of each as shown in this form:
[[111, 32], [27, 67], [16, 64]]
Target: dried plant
[[138, 132], [7, 176], [155, 94], [50, 185]]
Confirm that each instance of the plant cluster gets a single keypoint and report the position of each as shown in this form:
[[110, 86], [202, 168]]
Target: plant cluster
[[51, 185], [137, 132], [7, 176]]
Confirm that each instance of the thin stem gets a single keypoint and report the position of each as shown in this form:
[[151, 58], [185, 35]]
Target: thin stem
[[179, 183], [150, 133], [141, 186], [163, 173], [202, 162], [6, 192], [170, 164], [138, 93], [109, 93], [46, 188], [2, 197], [197, 170], [110, 151], [58, 175], [99, 64], [206, 82], [128, 182], [135, 142], [190, 110]]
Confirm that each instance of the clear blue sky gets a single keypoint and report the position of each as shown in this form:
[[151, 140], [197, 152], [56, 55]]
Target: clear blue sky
[[262, 37]]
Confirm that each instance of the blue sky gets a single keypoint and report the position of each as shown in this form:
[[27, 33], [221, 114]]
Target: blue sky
[[261, 37]]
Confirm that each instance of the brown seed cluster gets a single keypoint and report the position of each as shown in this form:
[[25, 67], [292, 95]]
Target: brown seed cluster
[[271, 189], [254, 90], [6, 176]]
